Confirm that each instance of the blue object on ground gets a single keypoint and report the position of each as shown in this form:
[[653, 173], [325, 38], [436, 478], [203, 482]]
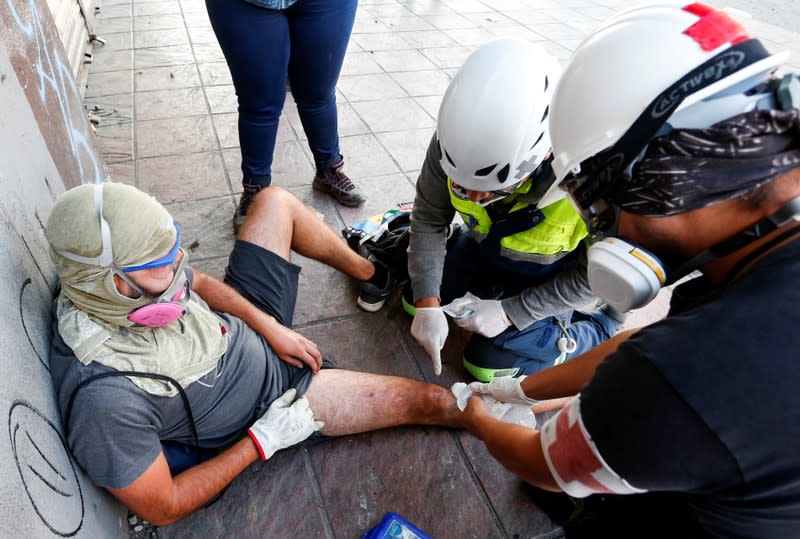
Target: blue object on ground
[[393, 526]]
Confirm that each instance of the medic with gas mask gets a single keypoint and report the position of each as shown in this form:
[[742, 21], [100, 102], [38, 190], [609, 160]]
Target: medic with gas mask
[[515, 271], [679, 144]]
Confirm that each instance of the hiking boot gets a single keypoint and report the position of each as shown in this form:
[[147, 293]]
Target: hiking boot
[[336, 182], [372, 295], [245, 201]]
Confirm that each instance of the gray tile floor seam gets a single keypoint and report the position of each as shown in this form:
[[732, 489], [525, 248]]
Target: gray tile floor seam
[[369, 127], [373, 134], [159, 22], [193, 48], [117, 62], [150, 39], [172, 55], [496, 520], [326, 519]]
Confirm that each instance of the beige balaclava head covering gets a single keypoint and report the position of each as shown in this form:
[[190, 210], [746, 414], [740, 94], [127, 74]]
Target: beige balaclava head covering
[[93, 314], [140, 229]]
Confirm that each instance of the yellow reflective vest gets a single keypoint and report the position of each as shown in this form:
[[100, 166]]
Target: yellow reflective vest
[[555, 236]]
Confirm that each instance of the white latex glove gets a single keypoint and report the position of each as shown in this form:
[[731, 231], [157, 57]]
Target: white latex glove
[[484, 316], [430, 329], [284, 424], [504, 389]]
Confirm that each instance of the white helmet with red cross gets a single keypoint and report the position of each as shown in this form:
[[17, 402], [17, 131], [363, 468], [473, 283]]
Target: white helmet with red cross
[[640, 68], [492, 125]]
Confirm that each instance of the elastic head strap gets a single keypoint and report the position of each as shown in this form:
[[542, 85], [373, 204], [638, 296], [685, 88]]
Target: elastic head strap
[[106, 257], [625, 151], [786, 214], [155, 376]]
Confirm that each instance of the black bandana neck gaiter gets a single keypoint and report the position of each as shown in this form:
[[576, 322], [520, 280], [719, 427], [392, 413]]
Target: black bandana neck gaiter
[[688, 169]]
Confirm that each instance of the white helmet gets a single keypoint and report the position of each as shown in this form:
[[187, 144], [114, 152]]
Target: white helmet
[[492, 125], [632, 74]]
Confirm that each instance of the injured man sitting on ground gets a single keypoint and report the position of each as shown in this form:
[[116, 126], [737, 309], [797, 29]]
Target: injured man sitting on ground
[[171, 382]]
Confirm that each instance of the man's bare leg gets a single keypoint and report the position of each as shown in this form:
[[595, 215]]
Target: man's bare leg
[[279, 222], [350, 402]]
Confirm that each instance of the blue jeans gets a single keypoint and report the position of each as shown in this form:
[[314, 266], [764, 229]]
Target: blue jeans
[[307, 41], [536, 347]]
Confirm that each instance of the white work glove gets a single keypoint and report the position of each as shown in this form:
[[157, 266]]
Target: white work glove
[[484, 316], [504, 389], [430, 329], [284, 424]]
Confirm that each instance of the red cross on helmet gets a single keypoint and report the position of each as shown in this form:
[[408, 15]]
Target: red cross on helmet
[[636, 72]]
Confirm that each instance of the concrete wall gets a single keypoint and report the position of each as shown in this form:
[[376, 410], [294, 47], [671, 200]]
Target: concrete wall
[[45, 145]]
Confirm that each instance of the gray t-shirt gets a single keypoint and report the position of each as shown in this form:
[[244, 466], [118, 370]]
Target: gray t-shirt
[[115, 428]]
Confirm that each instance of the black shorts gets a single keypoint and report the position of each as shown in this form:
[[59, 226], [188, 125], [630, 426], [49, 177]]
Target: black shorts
[[266, 279], [269, 281]]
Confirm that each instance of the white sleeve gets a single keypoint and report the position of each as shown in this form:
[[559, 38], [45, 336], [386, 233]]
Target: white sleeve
[[573, 458]]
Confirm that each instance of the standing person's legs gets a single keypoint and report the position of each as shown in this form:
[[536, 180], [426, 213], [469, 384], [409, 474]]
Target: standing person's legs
[[319, 31], [255, 42]]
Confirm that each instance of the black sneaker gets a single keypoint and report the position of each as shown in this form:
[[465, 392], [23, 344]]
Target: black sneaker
[[390, 259], [373, 296], [245, 201], [336, 182]]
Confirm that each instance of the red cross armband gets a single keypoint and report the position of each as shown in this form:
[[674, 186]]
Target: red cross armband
[[574, 460]]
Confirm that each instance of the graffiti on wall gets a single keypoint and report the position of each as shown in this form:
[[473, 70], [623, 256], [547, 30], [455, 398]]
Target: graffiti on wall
[[43, 72], [39, 450], [34, 315], [47, 472]]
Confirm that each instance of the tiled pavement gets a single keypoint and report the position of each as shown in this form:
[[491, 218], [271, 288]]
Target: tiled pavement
[[168, 110]]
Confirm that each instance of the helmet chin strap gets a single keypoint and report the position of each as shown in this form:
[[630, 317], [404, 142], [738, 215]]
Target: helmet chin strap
[[786, 214]]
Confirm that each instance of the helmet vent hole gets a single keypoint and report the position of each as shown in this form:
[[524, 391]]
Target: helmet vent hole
[[449, 159], [502, 174], [546, 112], [486, 170], [538, 140], [546, 83]]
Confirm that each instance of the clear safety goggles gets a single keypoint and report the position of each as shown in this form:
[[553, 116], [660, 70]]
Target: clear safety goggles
[[166, 260], [534, 194], [493, 196]]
